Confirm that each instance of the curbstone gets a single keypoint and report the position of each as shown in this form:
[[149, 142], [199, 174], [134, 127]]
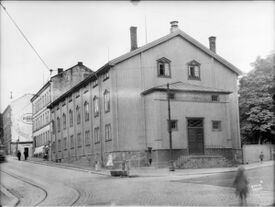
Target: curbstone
[[14, 200]]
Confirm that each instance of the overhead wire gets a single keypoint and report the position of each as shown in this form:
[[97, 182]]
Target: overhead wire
[[24, 36]]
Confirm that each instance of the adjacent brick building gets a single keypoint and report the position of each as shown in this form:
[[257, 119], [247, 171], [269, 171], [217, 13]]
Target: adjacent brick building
[[57, 85], [121, 109]]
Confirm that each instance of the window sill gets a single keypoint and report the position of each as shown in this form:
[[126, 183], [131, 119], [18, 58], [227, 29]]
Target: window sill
[[97, 142], [105, 79], [79, 146], [88, 145], [95, 85], [107, 111], [163, 76], [108, 140], [72, 147], [191, 78]]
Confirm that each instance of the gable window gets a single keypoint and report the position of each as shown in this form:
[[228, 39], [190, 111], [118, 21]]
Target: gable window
[[215, 98], [216, 126], [173, 124], [108, 132], [78, 115], [194, 70], [106, 101], [58, 124], [87, 137], [96, 135], [71, 118], [86, 111], [164, 69], [96, 106], [64, 121]]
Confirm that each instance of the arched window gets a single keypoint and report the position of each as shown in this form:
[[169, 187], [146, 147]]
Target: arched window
[[58, 124], [71, 118], [164, 69], [64, 121], [193, 70], [96, 106], [86, 111], [78, 117], [106, 101]]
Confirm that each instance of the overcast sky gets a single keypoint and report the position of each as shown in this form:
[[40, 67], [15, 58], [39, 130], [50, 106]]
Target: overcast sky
[[67, 32]]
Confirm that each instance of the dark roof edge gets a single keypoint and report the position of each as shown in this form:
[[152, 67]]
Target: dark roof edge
[[40, 91], [151, 90], [91, 77]]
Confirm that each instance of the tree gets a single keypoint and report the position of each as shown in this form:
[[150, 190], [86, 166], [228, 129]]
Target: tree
[[255, 102]]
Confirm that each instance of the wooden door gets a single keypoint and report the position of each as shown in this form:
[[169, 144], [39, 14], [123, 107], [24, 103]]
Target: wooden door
[[195, 136]]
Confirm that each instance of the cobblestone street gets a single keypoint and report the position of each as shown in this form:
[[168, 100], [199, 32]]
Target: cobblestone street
[[72, 187]]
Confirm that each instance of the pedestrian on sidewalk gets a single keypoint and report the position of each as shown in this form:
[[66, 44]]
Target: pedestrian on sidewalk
[[261, 157], [241, 185], [19, 155]]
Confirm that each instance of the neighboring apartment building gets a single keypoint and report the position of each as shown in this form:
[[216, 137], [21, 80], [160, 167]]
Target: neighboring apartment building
[[17, 125], [57, 85], [121, 109]]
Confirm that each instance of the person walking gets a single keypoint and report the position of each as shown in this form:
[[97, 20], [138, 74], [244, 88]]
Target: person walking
[[261, 157], [241, 185], [19, 155], [26, 155]]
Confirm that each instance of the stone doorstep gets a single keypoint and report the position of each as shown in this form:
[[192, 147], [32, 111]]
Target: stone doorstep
[[14, 200]]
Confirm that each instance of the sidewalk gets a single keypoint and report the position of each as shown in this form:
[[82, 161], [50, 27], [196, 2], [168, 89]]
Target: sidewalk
[[152, 171]]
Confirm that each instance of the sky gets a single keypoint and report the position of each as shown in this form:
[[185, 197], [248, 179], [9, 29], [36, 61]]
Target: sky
[[66, 32]]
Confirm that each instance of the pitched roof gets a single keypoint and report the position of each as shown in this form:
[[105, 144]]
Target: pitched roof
[[185, 36], [185, 87]]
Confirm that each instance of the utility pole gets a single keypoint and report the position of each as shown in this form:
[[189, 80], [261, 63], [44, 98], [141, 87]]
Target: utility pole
[[171, 168]]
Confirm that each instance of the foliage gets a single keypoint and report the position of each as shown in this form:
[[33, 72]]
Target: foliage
[[255, 102]]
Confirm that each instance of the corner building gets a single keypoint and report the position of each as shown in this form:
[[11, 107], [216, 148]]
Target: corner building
[[121, 109]]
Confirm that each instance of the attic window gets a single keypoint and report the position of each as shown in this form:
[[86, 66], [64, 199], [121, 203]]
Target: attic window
[[105, 76], [193, 70], [95, 83], [164, 69]]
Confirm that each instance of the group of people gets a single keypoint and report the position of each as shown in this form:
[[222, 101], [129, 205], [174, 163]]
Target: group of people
[[18, 154]]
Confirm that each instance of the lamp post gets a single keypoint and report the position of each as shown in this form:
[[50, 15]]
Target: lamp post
[[171, 168]]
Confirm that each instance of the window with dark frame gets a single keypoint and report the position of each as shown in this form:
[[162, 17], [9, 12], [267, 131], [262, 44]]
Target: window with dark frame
[[78, 116], [71, 118], [64, 121], [174, 125], [215, 98], [108, 132], [58, 124], [193, 70], [86, 110], [96, 135], [87, 137], [216, 126], [164, 69], [65, 143], [106, 101], [72, 141], [79, 140], [96, 106]]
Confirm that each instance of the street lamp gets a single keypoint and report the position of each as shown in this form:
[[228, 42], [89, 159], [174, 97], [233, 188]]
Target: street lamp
[[171, 168]]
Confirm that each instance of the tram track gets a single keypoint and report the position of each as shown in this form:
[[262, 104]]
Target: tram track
[[30, 183]]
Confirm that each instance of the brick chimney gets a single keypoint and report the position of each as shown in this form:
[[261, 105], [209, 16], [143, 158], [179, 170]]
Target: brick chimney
[[133, 33], [212, 44], [80, 63], [59, 70], [174, 26]]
